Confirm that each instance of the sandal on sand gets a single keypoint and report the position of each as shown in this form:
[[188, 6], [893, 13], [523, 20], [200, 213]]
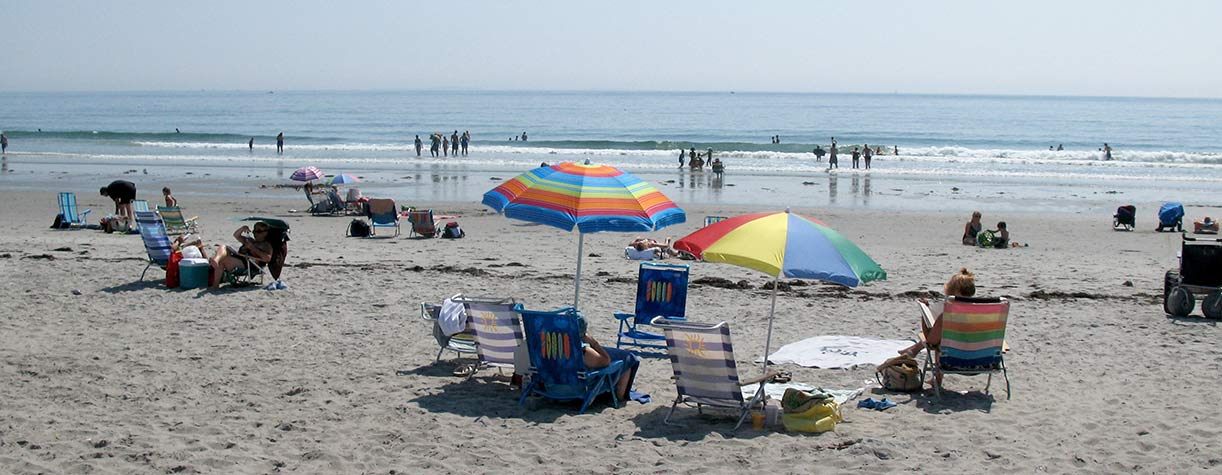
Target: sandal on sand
[[870, 403], [783, 377], [464, 370]]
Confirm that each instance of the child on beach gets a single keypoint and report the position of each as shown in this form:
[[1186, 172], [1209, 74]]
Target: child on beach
[[1003, 236], [170, 200]]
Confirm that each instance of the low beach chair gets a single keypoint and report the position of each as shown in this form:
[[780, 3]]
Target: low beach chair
[[383, 214], [713, 219], [973, 340], [557, 360], [702, 358], [68, 209], [174, 221], [462, 343], [422, 223], [156, 242], [353, 202], [497, 330], [661, 290], [137, 206]]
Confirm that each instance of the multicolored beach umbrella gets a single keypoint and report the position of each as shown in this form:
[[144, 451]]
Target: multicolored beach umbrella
[[342, 179], [592, 198], [783, 244], [306, 174]]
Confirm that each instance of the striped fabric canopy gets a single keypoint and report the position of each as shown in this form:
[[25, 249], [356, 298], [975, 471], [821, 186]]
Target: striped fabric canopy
[[306, 174], [593, 198]]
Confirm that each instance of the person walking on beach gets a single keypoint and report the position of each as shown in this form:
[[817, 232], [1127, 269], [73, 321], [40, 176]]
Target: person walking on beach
[[819, 152], [868, 155], [1107, 151], [454, 143], [445, 146], [682, 158], [856, 157], [466, 139], [280, 142], [251, 144], [832, 161], [3, 143], [419, 145]]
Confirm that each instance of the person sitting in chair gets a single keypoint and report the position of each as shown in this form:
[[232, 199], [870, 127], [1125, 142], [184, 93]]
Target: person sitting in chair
[[597, 357], [962, 284], [255, 251]]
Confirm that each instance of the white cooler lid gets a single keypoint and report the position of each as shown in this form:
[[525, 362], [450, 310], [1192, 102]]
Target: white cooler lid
[[193, 262]]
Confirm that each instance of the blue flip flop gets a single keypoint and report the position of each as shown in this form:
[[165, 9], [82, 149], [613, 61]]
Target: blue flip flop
[[870, 403]]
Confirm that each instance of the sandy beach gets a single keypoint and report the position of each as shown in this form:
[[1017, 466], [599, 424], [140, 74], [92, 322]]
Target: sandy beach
[[103, 373]]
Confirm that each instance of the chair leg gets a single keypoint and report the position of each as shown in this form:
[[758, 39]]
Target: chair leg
[[1006, 375], [672, 412], [530, 387], [746, 411], [439, 352], [988, 382], [146, 269]]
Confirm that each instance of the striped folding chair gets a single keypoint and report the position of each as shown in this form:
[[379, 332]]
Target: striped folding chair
[[702, 358], [973, 340], [174, 221], [156, 242], [713, 219], [497, 329], [67, 208]]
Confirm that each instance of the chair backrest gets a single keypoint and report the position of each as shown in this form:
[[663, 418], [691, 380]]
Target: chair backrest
[[354, 194], [713, 219], [1201, 263], [702, 358], [553, 340], [140, 205], [422, 221], [661, 290], [383, 212], [67, 207], [171, 217], [497, 329], [973, 332], [152, 232]]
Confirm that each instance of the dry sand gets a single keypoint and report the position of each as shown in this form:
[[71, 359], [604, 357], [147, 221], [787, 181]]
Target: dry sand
[[337, 375]]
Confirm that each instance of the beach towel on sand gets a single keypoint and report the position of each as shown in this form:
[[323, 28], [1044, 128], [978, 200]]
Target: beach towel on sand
[[838, 351], [776, 391]]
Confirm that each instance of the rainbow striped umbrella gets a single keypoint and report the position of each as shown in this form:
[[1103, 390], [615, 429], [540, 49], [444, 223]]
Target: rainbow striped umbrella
[[783, 244], [592, 198]]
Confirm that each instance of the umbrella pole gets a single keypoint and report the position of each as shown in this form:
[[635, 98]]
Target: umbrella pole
[[771, 314], [577, 279]]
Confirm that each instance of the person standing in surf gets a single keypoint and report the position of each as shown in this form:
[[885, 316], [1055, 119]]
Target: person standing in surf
[[1107, 151], [856, 157], [3, 143], [454, 143], [280, 142], [832, 161], [682, 158], [436, 143], [419, 145], [466, 140], [523, 136], [868, 155], [251, 144], [819, 152]]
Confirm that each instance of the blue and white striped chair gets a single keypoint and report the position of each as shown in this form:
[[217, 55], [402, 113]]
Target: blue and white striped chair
[[498, 331], [156, 242], [702, 358]]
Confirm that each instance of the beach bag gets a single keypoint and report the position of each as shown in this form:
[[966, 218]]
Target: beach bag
[[452, 231], [358, 228], [812, 411], [60, 222], [171, 270], [901, 373]]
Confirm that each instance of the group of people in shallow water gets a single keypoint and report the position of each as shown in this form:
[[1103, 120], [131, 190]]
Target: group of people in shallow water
[[833, 160], [696, 160], [445, 146]]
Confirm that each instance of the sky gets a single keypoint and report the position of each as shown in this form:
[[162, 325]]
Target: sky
[[1030, 47]]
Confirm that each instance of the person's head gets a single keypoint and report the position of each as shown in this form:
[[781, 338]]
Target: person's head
[[962, 284], [165, 190], [260, 231], [640, 245], [975, 216], [1001, 225], [102, 191]]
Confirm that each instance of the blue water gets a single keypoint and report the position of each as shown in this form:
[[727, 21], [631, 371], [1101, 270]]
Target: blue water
[[1161, 146]]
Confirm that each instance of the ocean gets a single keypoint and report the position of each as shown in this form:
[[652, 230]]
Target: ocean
[[958, 151]]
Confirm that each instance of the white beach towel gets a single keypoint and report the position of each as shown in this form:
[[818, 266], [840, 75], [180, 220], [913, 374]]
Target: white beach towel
[[838, 351], [647, 254], [776, 390], [452, 318]]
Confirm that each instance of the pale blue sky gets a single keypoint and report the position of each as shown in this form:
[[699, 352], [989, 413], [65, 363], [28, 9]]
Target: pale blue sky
[[1125, 48]]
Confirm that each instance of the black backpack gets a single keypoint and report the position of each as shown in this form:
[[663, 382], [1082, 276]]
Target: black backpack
[[358, 228], [452, 231]]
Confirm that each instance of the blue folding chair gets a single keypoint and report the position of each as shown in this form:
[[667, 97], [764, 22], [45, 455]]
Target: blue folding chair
[[67, 208], [710, 220], [661, 291], [557, 364], [156, 242], [383, 214]]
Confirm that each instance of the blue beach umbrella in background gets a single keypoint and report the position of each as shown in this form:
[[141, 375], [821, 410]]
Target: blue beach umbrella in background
[[591, 198], [342, 179]]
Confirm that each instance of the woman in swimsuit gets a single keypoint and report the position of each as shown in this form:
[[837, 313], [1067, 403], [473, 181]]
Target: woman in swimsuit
[[255, 250], [971, 229]]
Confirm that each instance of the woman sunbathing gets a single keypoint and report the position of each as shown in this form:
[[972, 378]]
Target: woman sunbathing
[[962, 284], [255, 250]]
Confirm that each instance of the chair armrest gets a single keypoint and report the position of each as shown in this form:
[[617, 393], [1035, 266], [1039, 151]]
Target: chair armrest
[[623, 316], [614, 367], [191, 219], [759, 379], [82, 213]]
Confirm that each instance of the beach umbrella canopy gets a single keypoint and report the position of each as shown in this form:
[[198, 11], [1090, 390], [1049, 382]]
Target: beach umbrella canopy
[[783, 244], [591, 198], [342, 179], [306, 174]]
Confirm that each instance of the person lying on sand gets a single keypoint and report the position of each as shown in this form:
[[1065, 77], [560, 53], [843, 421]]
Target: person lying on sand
[[661, 250]]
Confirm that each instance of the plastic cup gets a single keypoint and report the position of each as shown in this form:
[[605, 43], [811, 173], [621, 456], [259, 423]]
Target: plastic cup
[[757, 420]]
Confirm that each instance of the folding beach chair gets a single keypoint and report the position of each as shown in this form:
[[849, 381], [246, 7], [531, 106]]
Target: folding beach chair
[[383, 214], [422, 223], [67, 209], [137, 206], [702, 358], [353, 201], [497, 330], [713, 219], [462, 343], [156, 242], [661, 291], [557, 361], [973, 340], [175, 223]]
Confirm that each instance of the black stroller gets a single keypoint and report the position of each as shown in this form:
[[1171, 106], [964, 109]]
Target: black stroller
[[1200, 273], [1125, 218]]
